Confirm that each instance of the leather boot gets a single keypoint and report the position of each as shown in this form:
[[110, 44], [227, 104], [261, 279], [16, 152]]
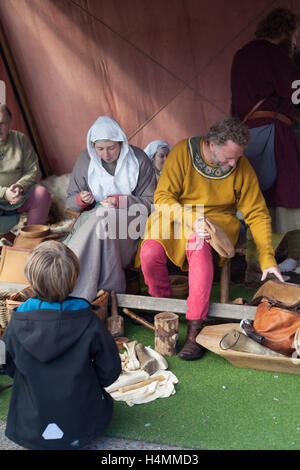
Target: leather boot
[[191, 349]]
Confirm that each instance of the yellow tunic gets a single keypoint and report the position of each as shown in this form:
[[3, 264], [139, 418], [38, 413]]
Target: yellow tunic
[[183, 183]]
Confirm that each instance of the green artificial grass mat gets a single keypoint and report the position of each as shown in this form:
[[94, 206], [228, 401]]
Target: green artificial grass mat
[[4, 396], [216, 406]]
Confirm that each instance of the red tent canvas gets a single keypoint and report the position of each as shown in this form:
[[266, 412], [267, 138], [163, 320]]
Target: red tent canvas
[[160, 68]]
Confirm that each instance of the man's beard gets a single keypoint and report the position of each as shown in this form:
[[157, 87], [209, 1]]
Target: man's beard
[[216, 162]]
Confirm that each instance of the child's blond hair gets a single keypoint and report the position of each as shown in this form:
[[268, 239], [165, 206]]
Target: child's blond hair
[[52, 270]]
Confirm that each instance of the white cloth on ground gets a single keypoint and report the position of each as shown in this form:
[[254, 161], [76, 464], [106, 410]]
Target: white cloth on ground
[[157, 389], [150, 392]]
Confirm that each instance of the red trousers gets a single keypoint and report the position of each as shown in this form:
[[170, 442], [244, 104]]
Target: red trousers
[[155, 271]]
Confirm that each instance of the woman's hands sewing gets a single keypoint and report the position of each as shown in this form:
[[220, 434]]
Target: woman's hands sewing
[[87, 197], [110, 201], [116, 201]]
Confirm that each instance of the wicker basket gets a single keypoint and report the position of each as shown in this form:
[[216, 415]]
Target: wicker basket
[[22, 295], [179, 285], [5, 316], [10, 305], [11, 301], [5, 311]]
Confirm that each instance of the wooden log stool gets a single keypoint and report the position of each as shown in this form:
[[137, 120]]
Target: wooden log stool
[[166, 333]]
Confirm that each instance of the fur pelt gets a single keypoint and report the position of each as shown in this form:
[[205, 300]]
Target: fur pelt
[[57, 186]]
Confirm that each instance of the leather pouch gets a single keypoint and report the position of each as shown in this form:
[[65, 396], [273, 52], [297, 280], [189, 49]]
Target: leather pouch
[[219, 240], [278, 325], [285, 293]]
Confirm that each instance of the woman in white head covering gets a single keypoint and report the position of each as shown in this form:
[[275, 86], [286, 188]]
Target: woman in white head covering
[[109, 177], [158, 151], [107, 140]]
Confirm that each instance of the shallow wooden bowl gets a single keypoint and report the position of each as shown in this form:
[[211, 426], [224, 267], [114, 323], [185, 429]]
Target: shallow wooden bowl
[[120, 340], [35, 231]]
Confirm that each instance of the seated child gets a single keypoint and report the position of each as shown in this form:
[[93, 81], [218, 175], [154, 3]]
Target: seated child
[[61, 357]]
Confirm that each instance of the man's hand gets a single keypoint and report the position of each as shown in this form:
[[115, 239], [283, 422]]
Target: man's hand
[[87, 197], [14, 194], [199, 228], [272, 270]]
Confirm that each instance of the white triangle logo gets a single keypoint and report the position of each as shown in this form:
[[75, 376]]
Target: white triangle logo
[[52, 431]]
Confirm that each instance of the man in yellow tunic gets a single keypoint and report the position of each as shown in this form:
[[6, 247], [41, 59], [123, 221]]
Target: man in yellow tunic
[[210, 173]]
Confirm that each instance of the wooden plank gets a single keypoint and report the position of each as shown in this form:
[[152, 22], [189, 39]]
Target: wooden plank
[[158, 304]]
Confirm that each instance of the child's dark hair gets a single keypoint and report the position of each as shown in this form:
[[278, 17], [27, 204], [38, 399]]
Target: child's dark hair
[[52, 270]]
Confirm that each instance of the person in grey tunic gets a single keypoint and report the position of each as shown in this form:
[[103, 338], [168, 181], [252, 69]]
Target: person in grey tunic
[[112, 186]]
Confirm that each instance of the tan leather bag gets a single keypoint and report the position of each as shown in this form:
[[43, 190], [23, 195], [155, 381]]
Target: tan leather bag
[[278, 325], [219, 241], [286, 293]]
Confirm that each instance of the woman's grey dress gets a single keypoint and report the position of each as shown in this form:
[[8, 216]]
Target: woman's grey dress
[[105, 239]]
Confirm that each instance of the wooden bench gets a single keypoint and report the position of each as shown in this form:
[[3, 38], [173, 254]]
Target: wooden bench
[[157, 304]]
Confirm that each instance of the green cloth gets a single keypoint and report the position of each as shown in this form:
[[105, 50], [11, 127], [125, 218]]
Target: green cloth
[[7, 222], [110, 167], [18, 164]]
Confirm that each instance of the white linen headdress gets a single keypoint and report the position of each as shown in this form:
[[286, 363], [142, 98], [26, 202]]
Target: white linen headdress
[[152, 148], [101, 183]]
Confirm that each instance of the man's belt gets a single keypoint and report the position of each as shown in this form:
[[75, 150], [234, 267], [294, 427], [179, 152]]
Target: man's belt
[[270, 114]]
